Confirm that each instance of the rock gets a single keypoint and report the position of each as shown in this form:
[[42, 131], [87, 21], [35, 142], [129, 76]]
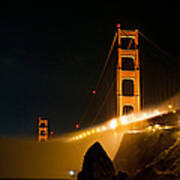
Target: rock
[[165, 166], [98, 166]]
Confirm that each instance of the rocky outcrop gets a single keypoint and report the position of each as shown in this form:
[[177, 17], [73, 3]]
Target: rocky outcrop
[[98, 166], [165, 166], [151, 156], [162, 161]]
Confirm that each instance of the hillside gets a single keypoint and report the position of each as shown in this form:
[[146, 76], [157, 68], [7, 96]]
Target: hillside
[[150, 155]]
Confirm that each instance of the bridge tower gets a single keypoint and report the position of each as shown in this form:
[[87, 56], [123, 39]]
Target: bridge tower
[[127, 73], [42, 130]]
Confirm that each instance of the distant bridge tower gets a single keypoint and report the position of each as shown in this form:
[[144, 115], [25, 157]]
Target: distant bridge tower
[[128, 73], [42, 130]]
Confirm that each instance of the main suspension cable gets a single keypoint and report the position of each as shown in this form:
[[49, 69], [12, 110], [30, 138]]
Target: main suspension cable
[[100, 77]]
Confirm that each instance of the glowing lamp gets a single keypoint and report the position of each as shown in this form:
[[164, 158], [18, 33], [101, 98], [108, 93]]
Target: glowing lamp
[[77, 126], [113, 124], [98, 130], [76, 137], [93, 131], [157, 126], [71, 173], [174, 111], [93, 91], [118, 25], [103, 128], [51, 133], [123, 120], [170, 106], [80, 136]]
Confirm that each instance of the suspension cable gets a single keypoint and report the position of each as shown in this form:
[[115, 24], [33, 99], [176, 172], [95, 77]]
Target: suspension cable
[[107, 60], [159, 48], [100, 77], [170, 90], [103, 103]]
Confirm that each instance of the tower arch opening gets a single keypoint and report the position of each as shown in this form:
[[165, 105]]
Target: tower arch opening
[[128, 43], [127, 64], [43, 133], [127, 109], [128, 87]]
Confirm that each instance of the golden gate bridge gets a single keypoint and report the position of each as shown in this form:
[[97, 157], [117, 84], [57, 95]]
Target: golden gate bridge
[[117, 106]]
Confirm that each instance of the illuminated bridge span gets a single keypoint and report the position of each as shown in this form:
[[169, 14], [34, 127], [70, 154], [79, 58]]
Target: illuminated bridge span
[[61, 155], [120, 103]]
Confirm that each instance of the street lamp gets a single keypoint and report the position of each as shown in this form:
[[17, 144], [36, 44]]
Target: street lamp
[[72, 174]]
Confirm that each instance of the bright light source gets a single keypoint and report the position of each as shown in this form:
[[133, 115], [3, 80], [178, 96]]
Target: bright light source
[[93, 131], [157, 126], [144, 115], [51, 133], [170, 106], [174, 111], [150, 127], [71, 172], [94, 92], [84, 134], [118, 25], [103, 128], [123, 120], [113, 124], [80, 136], [88, 133], [156, 111], [98, 130], [77, 126]]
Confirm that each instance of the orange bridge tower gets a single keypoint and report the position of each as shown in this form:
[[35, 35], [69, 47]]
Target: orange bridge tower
[[42, 130], [127, 72]]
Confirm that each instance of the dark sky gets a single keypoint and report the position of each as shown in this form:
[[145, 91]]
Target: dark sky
[[51, 55]]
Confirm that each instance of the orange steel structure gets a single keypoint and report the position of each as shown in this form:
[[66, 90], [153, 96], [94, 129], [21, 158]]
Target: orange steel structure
[[133, 100], [42, 130]]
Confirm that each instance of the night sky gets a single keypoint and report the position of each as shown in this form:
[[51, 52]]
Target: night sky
[[51, 56]]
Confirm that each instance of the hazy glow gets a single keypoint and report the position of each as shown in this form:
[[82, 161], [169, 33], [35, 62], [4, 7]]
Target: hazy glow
[[80, 136], [149, 128], [170, 106], [104, 128], [98, 130], [139, 117], [166, 127], [71, 173], [157, 126], [113, 124], [93, 131]]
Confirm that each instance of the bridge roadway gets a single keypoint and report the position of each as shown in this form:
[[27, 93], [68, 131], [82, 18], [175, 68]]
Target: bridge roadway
[[24, 158]]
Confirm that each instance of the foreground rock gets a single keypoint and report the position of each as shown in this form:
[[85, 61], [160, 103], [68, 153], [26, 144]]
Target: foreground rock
[[150, 155], [165, 166], [98, 166]]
